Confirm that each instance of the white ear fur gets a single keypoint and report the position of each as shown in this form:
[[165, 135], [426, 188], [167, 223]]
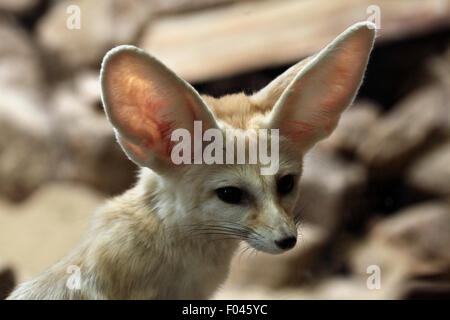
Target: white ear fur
[[145, 102], [310, 106]]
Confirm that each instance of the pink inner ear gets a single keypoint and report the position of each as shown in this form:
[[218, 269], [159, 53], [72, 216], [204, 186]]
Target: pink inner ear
[[340, 83], [325, 92], [138, 108], [297, 130], [146, 102]]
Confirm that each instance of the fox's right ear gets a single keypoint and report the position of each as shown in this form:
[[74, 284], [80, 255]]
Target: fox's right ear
[[145, 102]]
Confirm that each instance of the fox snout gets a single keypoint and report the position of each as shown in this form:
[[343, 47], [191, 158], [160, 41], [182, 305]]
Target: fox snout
[[274, 232], [273, 243]]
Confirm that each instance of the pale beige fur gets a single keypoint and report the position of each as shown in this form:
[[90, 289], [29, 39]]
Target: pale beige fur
[[160, 239]]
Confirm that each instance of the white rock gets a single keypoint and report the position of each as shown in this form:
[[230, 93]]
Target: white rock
[[329, 189], [431, 172], [45, 227], [413, 242], [396, 137], [103, 24]]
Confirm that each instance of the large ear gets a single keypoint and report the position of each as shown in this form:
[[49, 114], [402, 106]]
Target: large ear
[[145, 102], [309, 98]]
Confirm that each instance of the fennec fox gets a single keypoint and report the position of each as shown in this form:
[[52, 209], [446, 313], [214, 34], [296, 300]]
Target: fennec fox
[[172, 236]]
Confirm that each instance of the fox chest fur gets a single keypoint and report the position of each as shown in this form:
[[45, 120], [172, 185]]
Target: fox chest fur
[[130, 252], [155, 259]]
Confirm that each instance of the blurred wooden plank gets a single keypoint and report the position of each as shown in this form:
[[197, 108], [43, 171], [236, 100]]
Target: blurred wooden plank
[[244, 36], [175, 6]]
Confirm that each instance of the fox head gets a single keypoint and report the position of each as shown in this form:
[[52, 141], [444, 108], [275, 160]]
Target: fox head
[[146, 103]]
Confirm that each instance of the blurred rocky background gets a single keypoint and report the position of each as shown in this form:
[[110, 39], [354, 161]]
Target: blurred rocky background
[[375, 198]]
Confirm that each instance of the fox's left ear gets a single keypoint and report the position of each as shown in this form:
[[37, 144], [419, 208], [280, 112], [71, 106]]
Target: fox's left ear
[[309, 98]]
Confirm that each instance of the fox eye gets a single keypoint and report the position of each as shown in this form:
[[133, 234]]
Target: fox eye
[[230, 195], [285, 184]]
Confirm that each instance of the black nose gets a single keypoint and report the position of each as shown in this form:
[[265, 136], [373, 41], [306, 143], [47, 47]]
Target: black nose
[[286, 243]]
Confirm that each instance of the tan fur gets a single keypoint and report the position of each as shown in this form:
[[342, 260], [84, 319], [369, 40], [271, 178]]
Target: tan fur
[[169, 236], [121, 256], [236, 110]]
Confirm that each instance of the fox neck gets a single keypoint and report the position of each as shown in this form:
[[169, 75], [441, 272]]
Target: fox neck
[[196, 261], [138, 248], [172, 215]]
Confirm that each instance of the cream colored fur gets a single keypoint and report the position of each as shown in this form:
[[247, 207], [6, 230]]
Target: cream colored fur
[[169, 236]]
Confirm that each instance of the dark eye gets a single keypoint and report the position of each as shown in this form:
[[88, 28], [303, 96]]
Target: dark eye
[[285, 184], [231, 195]]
